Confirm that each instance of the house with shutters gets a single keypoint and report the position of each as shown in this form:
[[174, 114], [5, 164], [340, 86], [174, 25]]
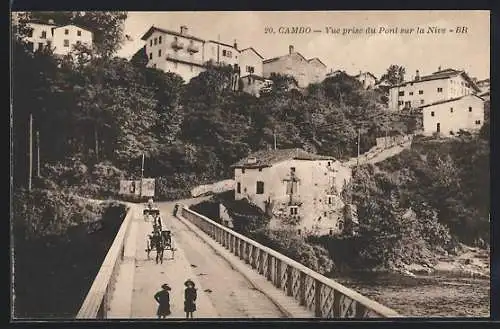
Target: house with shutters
[[436, 87], [300, 190], [60, 38], [449, 116]]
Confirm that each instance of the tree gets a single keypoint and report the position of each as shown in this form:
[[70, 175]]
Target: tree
[[394, 75]]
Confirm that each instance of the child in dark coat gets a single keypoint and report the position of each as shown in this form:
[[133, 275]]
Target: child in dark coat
[[189, 298], [163, 299]]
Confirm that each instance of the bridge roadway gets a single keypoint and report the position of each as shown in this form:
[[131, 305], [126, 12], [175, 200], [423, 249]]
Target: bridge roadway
[[222, 290]]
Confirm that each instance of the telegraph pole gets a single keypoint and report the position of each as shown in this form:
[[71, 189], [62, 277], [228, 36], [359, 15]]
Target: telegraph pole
[[142, 172], [359, 142], [30, 150], [274, 135], [38, 153]]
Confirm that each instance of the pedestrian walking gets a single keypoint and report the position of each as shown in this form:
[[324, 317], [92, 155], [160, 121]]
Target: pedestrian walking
[[163, 299], [189, 298]]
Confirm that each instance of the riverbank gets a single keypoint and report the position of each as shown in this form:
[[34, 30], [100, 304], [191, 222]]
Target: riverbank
[[469, 263]]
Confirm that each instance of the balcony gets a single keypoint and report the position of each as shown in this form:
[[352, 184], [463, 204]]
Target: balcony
[[193, 49], [176, 45], [184, 59]]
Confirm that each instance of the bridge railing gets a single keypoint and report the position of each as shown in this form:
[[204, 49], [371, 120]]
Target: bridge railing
[[323, 296], [96, 304]]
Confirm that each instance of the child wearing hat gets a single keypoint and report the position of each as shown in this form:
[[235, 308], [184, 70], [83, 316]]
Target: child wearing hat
[[189, 298], [163, 299]]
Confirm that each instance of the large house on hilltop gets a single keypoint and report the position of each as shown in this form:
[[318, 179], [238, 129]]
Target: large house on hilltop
[[300, 190], [305, 71], [423, 90], [188, 56], [172, 51], [60, 38]]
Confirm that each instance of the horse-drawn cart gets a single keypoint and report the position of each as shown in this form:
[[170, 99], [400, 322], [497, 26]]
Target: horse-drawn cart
[[160, 239]]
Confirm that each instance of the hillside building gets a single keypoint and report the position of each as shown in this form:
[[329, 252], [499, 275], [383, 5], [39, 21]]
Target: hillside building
[[449, 116], [439, 86], [299, 189], [60, 38]]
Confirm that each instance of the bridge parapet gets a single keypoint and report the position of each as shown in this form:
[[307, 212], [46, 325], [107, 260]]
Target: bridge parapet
[[323, 296], [96, 303]]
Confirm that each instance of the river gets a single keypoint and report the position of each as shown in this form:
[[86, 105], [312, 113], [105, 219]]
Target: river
[[424, 296]]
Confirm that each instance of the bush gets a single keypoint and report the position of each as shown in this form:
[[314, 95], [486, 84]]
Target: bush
[[288, 243], [45, 212]]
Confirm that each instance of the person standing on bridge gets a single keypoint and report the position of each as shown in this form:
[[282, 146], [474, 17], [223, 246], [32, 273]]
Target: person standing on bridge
[[163, 299], [189, 298]]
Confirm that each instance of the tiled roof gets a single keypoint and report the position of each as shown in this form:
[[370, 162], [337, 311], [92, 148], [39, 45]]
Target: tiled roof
[[276, 58], [255, 51], [267, 158], [317, 59], [223, 44], [449, 100], [154, 28], [443, 74], [369, 73]]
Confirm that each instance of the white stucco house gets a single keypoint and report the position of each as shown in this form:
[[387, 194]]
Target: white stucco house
[[423, 90], [60, 38], [449, 116], [299, 189]]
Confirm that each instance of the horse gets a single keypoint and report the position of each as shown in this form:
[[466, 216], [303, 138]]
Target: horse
[[158, 245]]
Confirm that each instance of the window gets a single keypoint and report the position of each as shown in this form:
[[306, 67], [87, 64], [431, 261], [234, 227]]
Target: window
[[79, 33], [155, 41], [260, 187], [298, 231], [242, 170], [324, 214], [159, 52], [250, 69], [421, 101], [151, 42], [330, 199], [66, 43], [432, 113], [66, 31], [451, 109], [411, 93], [260, 169], [401, 93], [238, 187], [294, 210], [159, 39], [440, 90], [292, 169], [223, 52], [150, 55], [478, 122], [228, 54], [400, 103], [44, 35], [154, 65], [420, 92], [40, 46], [470, 109]]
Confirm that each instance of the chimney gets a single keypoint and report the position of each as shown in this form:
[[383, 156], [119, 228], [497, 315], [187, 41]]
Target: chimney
[[290, 49], [184, 29], [235, 45], [417, 76]]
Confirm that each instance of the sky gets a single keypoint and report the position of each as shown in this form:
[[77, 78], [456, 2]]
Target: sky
[[350, 52]]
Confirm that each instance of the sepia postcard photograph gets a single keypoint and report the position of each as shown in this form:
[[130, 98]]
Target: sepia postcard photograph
[[205, 165]]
